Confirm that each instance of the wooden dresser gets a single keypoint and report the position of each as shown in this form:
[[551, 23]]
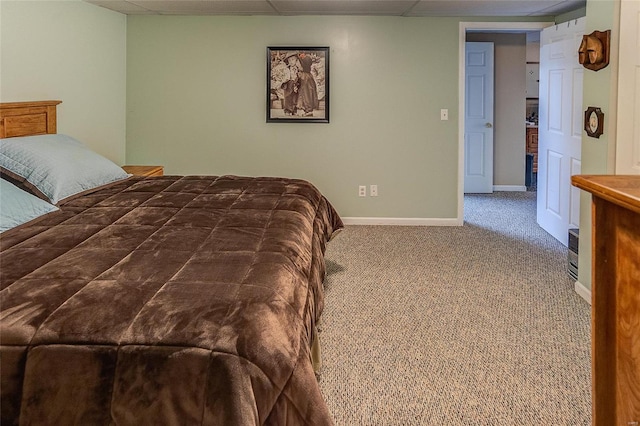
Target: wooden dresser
[[615, 294], [532, 146]]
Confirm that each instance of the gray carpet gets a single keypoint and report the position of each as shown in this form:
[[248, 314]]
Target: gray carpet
[[471, 325]]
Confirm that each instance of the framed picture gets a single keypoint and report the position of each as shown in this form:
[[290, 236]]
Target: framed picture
[[297, 84], [594, 122]]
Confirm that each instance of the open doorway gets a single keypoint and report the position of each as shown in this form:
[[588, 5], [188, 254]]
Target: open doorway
[[513, 112], [532, 108], [515, 61]]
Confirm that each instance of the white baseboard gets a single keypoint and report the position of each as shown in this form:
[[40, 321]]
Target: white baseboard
[[512, 188], [401, 221], [583, 291]]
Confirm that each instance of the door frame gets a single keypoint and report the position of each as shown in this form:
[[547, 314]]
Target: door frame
[[623, 132], [464, 27]]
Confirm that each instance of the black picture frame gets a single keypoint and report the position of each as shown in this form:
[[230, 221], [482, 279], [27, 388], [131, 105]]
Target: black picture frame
[[297, 84], [594, 122]]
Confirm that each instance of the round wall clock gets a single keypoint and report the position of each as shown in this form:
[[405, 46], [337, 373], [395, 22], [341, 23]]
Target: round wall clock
[[594, 122]]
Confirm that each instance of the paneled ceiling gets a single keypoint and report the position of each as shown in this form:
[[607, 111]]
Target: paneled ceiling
[[344, 7]]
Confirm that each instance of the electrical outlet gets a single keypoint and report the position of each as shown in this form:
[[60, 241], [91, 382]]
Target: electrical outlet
[[373, 190], [444, 114], [362, 190]]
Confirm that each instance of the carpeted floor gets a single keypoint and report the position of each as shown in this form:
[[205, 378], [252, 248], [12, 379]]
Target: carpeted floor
[[471, 325]]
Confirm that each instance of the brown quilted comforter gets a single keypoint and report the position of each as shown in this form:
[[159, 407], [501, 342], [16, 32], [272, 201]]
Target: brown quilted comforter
[[170, 300]]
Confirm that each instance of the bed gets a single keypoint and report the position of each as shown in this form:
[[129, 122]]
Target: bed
[[163, 300]]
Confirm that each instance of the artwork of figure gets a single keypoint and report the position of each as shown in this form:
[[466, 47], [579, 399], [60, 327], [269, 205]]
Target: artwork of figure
[[298, 84], [308, 92]]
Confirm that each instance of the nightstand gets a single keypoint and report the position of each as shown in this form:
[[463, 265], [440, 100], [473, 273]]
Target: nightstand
[[144, 170]]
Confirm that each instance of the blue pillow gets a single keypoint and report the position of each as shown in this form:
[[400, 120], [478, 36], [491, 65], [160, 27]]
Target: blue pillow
[[56, 166], [18, 207]]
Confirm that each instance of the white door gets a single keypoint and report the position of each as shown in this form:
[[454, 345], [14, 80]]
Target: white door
[[478, 130], [628, 129], [560, 128]]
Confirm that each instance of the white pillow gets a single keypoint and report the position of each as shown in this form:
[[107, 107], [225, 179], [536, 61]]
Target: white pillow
[[18, 207], [56, 166]]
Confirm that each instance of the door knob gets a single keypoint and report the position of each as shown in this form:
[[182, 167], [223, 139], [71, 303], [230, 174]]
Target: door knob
[[488, 125]]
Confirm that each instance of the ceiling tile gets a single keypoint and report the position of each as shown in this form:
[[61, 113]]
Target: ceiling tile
[[120, 6], [207, 7], [480, 7], [562, 7], [343, 7]]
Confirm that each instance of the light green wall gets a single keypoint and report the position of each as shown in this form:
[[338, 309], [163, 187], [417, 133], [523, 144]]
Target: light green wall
[[72, 51], [597, 154], [196, 104]]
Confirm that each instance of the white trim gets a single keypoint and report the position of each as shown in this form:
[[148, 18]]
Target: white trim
[[583, 291], [627, 132], [511, 188], [462, 36], [504, 27], [401, 221]]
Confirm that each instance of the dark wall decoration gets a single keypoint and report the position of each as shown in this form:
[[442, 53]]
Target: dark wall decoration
[[298, 84], [593, 53], [594, 122]]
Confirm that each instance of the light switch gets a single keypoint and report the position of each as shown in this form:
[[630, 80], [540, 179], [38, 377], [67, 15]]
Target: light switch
[[444, 114]]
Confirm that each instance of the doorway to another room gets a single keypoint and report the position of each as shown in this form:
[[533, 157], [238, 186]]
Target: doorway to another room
[[519, 165], [512, 116]]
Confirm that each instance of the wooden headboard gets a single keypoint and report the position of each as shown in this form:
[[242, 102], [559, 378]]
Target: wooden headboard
[[27, 118]]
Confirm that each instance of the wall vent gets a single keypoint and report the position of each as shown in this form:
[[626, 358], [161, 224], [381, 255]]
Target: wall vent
[[572, 268]]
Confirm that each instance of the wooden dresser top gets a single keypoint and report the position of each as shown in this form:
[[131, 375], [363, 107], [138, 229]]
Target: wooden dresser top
[[623, 190]]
